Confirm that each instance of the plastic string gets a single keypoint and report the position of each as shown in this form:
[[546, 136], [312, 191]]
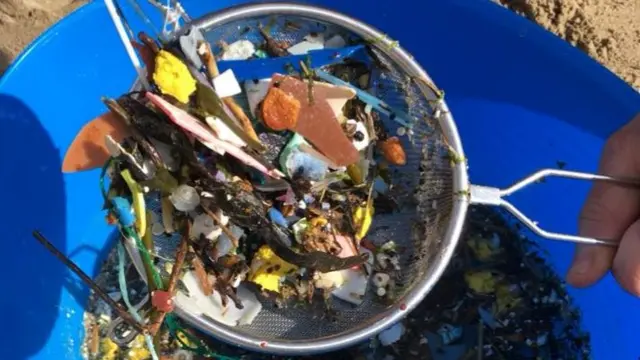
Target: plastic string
[[170, 320], [126, 41], [125, 296]]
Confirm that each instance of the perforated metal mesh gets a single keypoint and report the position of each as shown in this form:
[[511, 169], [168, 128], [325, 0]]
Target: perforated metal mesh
[[423, 188]]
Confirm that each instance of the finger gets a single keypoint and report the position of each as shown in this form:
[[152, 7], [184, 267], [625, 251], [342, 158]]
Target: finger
[[626, 265], [610, 209]]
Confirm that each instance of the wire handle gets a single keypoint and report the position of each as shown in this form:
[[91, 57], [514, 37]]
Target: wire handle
[[484, 195]]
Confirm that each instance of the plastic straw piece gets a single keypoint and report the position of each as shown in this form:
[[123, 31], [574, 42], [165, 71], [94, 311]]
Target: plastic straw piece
[[125, 296], [126, 41], [396, 115]]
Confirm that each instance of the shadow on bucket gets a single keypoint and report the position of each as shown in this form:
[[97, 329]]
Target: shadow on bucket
[[33, 197]]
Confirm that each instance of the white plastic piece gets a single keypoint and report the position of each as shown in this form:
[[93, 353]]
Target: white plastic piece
[[185, 198], [355, 282], [329, 280], [239, 50], [223, 218], [256, 92], [316, 38], [198, 303], [381, 279], [203, 224], [226, 84], [157, 229], [309, 44], [223, 132], [360, 127], [189, 46], [335, 42], [354, 288], [391, 335], [224, 245]]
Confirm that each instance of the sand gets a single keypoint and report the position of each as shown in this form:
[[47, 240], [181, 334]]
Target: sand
[[607, 30]]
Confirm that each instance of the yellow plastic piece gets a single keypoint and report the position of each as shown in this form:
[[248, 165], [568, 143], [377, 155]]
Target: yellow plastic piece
[[173, 77], [481, 282], [319, 222], [139, 206], [269, 268], [362, 217], [109, 349], [505, 299], [482, 248]]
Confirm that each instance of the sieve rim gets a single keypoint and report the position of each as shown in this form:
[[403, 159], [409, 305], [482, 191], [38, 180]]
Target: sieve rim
[[459, 173]]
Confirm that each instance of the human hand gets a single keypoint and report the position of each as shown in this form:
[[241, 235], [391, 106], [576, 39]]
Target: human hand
[[612, 212]]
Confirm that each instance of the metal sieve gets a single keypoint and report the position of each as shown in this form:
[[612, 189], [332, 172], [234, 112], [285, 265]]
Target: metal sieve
[[435, 178]]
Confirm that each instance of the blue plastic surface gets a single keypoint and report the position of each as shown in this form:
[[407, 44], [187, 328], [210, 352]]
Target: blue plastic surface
[[522, 98]]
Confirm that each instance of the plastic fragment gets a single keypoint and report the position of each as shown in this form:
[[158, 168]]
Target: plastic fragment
[[203, 224], [239, 50], [256, 90], [280, 110], [268, 268], [449, 333], [185, 198], [225, 245], [162, 300], [391, 335], [362, 218], [481, 282], [211, 306], [223, 131], [276, 217], [335, 42], [318, 122], [311, 42], [226, 84], [139, 206], [189, 46], [361, 138], [157, 229], [393, 151], [173, 77]]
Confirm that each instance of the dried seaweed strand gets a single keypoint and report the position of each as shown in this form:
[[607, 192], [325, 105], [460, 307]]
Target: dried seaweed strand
[[181, 254], [95, 287], [202, 276]]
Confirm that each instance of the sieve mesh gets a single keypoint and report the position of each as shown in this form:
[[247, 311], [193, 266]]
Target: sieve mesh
[[423, 189]]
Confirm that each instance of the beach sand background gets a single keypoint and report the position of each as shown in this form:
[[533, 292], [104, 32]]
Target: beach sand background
[[607, 30]]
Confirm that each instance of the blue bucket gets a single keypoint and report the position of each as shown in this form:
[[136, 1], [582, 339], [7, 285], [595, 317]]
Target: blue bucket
[[523, 100]]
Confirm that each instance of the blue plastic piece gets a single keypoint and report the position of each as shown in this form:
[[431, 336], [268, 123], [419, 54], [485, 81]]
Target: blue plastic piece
[[265, 68], [277, 218], [122, 209], [522, 99]]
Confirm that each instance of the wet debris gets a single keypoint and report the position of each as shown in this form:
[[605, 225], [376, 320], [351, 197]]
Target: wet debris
[[231, 194]]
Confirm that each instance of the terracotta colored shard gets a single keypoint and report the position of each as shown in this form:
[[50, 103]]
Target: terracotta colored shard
[[88, 150], [280, 110], [317, 121]]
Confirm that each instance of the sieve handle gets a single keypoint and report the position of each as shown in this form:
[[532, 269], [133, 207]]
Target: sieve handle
[[484, 195]]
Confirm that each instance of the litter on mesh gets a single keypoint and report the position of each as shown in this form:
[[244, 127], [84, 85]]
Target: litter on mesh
[[261, 174]]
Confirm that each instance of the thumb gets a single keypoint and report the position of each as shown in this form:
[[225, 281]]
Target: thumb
[[610, 209], [626, 265]]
